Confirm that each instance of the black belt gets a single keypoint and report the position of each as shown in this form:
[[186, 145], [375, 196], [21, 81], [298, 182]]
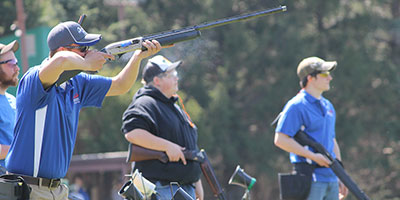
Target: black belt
[[42, 182], [164, 183]]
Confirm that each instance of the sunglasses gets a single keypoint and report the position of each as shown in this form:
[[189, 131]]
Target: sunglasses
[[11, 61], [172, 74], [324, 74], [80, 48]]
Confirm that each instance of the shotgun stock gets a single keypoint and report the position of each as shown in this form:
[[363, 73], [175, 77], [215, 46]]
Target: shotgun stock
[[138, 153]]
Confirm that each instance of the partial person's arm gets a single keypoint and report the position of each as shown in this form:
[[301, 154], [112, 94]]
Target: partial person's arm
[[68, 60], [4, 151], [288, 144], [127, 77], [336, 150], [147, 140], [199, 190], [343, 191]]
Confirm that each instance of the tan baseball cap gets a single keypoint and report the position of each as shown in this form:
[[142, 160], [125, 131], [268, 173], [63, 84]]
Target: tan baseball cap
[[13, 46], [313, 64]]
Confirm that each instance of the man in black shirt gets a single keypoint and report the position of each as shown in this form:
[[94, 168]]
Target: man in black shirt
[[154, 121]]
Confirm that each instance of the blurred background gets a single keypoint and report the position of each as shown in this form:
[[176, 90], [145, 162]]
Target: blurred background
[[235, 80]]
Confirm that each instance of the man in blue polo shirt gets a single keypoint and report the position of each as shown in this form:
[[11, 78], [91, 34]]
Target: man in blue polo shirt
[[9, 71], [315, 115], [47, 113]]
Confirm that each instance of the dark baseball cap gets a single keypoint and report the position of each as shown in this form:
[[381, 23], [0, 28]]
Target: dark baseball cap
[[13, 46], [314, 64], [156, 66], [70, 32]]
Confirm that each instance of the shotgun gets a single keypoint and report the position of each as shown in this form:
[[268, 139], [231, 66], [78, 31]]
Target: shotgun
[[169, 37], [303, 139], [180, 35], [211, 179], [138, 153]]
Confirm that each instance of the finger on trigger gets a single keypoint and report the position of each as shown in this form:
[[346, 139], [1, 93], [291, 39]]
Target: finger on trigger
[[183, 159]]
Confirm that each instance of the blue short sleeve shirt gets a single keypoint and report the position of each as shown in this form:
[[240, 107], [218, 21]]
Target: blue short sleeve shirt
[[318, 117], [7, 120], [47, 122]]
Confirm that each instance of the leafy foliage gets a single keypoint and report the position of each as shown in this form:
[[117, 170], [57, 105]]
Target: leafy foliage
[[236, 78]]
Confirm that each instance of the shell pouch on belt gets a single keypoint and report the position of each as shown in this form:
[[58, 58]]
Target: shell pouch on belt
[[13, 187], [297, 184]]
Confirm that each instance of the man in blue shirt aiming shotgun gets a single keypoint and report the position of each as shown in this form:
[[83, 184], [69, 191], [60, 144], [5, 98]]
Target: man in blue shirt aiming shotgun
[[47, 113]]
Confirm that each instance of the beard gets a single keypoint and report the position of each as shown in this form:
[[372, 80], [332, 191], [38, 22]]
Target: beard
[[6, 81]]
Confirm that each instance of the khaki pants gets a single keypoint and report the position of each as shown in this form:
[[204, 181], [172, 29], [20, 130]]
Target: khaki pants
[[45, 193]]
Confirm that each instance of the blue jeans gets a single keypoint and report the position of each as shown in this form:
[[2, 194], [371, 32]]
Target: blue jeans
[[324, 191], [3, 170], [164, 192]]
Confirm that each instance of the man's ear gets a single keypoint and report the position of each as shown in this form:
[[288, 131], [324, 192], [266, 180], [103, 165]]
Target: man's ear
[[61, 49], [156, 80], [309, 77]]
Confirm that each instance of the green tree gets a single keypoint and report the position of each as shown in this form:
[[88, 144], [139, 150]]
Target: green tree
[[236, 78]]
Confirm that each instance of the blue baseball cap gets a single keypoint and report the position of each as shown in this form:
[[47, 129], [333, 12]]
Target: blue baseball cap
[[70, 32]]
